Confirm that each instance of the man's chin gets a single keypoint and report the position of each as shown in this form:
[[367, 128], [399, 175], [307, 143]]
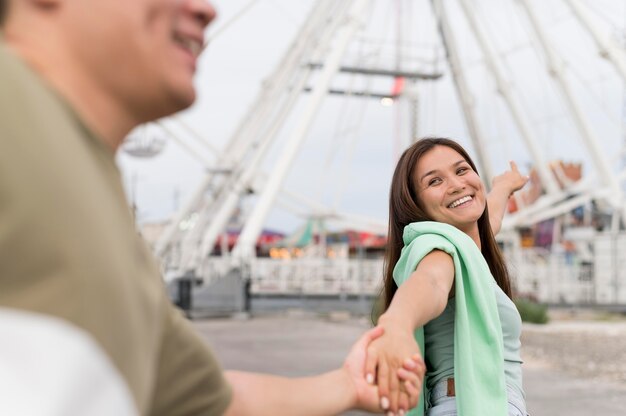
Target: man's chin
[[177, 100], [164, 106], [183, 98]]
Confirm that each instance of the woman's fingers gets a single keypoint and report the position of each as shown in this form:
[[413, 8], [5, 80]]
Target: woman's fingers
[[403, 403], [383, 384], [408, 375], [411, 385], [419, 362], [415, 364], [413, 393], [394, 390], [412, 376], [370, 364]]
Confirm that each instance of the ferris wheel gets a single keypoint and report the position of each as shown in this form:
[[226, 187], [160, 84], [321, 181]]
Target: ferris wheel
[[334, 52]]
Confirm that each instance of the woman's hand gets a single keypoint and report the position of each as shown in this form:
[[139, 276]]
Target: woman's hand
[[503, 187], [510, 181], [366, 393], [394, 361]]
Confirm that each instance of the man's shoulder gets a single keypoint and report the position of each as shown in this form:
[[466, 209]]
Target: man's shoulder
[[37, 126], [27, 103], [16, 77]]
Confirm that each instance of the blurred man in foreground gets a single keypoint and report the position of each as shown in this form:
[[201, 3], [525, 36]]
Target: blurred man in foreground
[[86, 325]]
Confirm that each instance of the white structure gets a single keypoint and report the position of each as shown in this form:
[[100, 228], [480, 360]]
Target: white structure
[[554, 278], [311, 63]]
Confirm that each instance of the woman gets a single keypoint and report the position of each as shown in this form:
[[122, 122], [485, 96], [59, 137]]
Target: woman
[[447, 291]]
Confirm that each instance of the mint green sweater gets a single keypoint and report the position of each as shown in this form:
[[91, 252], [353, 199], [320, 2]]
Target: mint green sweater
[[478, 350]]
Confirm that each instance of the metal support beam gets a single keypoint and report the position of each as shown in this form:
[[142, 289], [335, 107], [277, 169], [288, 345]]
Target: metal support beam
[[547, 178], [252, 229], [241, 143], [607, 48], [364, 94], [383, 72], [239, 182], [465, 95], [591, 141], [216, 217]]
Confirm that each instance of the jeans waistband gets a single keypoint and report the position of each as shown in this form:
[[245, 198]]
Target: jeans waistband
[[440, 390]]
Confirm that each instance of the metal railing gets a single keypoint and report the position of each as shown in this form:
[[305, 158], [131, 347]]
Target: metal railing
[[555, 278]]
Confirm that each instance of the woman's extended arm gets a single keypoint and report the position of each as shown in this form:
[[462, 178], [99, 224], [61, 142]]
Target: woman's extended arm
[[421, 298]]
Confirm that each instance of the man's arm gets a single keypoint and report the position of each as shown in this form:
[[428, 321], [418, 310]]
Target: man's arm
[[503, 187], [326, 394], [262, 394]]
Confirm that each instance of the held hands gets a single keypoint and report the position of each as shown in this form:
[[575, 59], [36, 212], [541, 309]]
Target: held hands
[[510, 181], [395, 362], [408, 375]]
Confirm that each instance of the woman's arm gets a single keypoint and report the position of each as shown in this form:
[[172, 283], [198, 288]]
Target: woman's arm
[[421, 298], [503, 187], [326, 394]]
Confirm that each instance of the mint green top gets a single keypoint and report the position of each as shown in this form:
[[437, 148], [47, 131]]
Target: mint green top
[[439, 343], [478, 342]]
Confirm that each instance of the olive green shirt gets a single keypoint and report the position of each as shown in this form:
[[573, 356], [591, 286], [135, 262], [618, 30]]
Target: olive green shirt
[[69, 250]]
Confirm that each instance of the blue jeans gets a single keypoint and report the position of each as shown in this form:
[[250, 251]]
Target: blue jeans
[[442, 405]]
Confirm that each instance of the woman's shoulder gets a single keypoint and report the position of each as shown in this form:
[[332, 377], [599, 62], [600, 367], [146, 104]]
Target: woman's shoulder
[[434, 230]]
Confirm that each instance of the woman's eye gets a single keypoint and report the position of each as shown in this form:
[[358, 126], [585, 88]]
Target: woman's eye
[[461, 171], [434, 181]]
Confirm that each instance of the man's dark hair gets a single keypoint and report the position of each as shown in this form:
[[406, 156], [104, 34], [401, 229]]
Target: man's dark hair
[[3, 11]]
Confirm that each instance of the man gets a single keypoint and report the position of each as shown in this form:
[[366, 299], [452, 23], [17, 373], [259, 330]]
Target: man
[[86, 325]]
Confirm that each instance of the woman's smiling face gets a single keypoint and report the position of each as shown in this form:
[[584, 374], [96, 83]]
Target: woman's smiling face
[[449, 190]]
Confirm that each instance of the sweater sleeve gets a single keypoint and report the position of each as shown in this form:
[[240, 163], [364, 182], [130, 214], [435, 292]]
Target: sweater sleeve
[[478, 355], [416, 250]]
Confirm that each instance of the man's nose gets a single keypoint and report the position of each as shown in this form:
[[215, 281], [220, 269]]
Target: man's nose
[[202, 11]]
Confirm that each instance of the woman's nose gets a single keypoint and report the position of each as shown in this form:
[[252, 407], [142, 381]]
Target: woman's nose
[[455, 185]]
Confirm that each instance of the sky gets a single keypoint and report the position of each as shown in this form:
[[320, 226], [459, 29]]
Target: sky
[[245, 51]]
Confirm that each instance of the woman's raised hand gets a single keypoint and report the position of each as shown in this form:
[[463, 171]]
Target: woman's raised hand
[[511, 180]]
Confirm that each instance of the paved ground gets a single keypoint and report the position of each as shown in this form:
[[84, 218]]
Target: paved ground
[[555, 393], [584, 349], [575, 368], [298, 344]]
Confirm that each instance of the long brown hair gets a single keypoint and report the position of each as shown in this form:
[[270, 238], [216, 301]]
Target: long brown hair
[[405, 207]]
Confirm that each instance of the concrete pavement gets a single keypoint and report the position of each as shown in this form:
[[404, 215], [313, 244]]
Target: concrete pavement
[[297, 344]]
